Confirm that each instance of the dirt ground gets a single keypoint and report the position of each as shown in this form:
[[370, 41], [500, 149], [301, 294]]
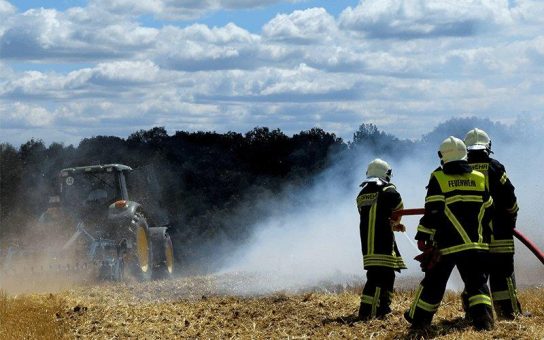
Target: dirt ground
[[213, 307]]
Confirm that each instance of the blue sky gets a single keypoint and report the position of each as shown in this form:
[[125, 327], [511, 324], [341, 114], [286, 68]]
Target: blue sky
[[76, 69]]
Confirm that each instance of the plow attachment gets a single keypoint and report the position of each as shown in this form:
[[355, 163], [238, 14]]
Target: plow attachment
[[98, 258], [522, 238]]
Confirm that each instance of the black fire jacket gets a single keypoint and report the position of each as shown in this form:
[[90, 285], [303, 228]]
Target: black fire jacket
[[458, 209], [504, 200], [376, 202]]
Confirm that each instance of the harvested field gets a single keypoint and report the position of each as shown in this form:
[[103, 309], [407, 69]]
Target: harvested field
[[213, 307]]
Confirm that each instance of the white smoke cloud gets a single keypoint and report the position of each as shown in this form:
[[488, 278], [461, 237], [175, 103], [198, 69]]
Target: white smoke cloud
[[316, 240]]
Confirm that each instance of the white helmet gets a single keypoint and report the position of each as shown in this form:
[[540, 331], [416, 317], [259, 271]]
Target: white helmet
[[477, 139], [379, 169], [452, 149]]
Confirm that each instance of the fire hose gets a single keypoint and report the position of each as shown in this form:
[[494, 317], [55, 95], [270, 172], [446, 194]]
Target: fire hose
[[522, 238]]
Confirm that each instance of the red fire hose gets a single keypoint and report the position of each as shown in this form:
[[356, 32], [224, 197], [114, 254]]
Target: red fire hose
[[523, 239]]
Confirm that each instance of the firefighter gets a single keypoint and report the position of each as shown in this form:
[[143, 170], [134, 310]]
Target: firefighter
[[381, 258], [454, 231], [501, 266]]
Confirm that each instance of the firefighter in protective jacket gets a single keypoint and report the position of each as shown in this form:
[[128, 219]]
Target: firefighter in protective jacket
[[456, 223], [501, 267], [381, 258]]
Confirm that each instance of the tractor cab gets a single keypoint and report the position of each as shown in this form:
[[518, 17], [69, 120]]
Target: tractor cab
[[87, 191]]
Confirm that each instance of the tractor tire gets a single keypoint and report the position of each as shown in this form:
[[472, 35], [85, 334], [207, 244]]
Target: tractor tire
[[142, 264], [163, 253]]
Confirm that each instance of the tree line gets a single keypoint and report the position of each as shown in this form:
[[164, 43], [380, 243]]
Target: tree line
[[210, 182]]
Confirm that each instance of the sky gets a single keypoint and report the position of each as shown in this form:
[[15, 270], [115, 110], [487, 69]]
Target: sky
[[73, 69]]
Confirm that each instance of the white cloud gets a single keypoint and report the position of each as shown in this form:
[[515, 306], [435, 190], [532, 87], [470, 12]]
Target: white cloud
[[178, 10], [312, 25], [407, 19], [199, 47], [78, 34], [25, 116], [123, 72], [106, 80], [301, 71], [6, 8], [529, 11]]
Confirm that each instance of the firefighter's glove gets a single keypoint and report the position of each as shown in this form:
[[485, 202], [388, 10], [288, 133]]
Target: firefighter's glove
[[428, 258], [396, 225], [421, 245]]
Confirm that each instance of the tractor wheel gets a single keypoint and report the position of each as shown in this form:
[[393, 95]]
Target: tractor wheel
[[143, 250], [163, 253]]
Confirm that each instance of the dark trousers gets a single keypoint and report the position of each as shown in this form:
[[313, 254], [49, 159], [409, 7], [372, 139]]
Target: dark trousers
[[471, 266], [377, 293], [503, 285]]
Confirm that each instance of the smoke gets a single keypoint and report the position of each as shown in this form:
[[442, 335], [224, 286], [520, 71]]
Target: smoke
[[310, 239], [523, 163], [313, 237]]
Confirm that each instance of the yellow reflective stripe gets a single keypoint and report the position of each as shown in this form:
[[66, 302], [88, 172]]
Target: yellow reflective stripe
[[427, 306], [367, 299], [384, 261], [489, 202], [414, 304], [481, 217], [464, 198], [480, 299], [375, 302], [483, 168], [480, 167], [380, 256], [434, 198], [501, 295], [504, 178], [371, 227], [457, 225], [513, 294], [466, 246], [390, 186], [359, 201], [391, 264], [502, 250], [366, 199], [424, 230], [514, 209], [475, 181], [399, 206], [503, 242], [501, 246]]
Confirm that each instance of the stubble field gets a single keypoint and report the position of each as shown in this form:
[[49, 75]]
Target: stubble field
[[216, 307]]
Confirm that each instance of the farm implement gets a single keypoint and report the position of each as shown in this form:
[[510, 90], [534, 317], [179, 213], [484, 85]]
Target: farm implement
[[115, 226]]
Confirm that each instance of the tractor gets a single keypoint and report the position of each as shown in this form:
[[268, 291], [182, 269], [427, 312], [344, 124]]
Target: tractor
[[116, 220]]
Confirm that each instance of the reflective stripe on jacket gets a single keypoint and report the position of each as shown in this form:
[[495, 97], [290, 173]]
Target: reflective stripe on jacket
[[458, 210], [376, 203], [504, 200]]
